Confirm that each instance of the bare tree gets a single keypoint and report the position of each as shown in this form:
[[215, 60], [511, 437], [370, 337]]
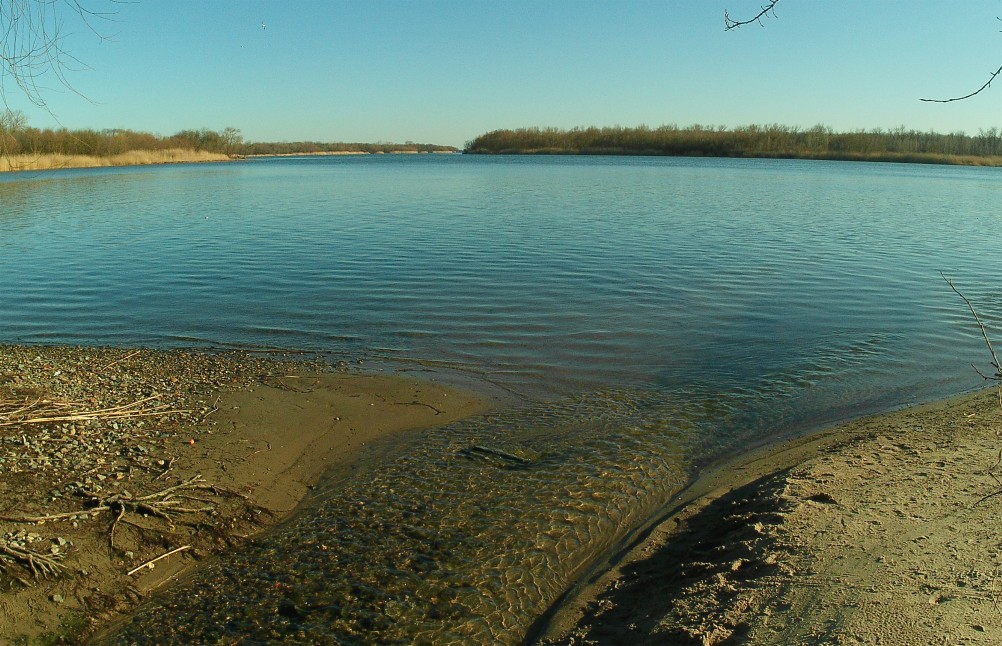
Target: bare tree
[[32, 51]]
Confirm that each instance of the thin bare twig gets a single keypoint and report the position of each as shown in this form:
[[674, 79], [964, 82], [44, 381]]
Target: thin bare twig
[[967, 96], [121, 359], [991, 472], [984, 333], [730, 23], [149, 564]]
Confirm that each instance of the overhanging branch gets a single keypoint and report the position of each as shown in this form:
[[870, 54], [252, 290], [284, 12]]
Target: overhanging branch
[[730, 23], [967, 96]]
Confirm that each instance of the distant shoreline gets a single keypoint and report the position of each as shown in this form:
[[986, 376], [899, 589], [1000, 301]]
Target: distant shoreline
[[42, 162], [894, 158], [354, 152], [750, 142]]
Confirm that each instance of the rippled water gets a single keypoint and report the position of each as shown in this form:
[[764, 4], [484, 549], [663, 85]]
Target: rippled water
[[651, 313]]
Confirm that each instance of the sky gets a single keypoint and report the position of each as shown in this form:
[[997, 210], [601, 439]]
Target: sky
[[445, 71]]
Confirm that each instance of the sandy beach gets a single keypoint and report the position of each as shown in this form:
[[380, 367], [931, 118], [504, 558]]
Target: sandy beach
[[122, 470], [879, 531]]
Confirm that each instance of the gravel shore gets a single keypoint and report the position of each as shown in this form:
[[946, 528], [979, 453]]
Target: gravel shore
[[120, 469]]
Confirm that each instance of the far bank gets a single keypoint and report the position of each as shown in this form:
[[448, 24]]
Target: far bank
[[33, 162]]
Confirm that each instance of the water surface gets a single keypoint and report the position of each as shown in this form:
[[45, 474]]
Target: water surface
[[649, 313]]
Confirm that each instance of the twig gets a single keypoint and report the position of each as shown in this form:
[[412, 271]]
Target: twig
[[984, 332], [730, 23], [417, 403], [244, 459], [167, 467], [149, 564], [991, 472], [114, 524], [119, 360], [161, 504], [93, 511], [135, 409], [967, 96]]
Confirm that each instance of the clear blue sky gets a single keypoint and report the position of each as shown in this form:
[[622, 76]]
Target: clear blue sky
[[444, 71]]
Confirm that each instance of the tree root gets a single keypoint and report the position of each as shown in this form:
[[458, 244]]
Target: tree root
[[165, 504], [41, 565]]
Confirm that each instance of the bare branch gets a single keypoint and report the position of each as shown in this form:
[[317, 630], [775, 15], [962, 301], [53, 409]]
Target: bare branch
[[32, 52], [967, 96], [730, 23], [984, 333]]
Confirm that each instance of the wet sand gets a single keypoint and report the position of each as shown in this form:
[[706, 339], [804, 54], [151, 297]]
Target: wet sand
[[882, 530], [235, 441]]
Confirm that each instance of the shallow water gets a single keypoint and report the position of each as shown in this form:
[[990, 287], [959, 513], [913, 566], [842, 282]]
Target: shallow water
[[650, 313]]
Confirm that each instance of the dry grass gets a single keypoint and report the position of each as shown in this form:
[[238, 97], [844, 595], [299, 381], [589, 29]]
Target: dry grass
[[132, 158]]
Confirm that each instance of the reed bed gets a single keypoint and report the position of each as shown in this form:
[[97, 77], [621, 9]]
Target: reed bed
[[23, 162]]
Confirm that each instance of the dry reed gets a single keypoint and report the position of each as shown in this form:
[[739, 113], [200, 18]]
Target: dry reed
[[22, 162], [20, 411]]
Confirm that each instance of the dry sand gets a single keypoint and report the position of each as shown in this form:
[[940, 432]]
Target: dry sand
[[250, 437], [880, 531]]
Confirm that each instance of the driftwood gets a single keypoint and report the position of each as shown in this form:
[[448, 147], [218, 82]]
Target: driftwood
[[41, 565], [165, 504], [41, 411], [149, 564]]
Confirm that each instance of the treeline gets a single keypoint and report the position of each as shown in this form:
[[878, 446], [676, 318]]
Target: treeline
[[17, 138], [23, 140], [316, 148], [819, 142]]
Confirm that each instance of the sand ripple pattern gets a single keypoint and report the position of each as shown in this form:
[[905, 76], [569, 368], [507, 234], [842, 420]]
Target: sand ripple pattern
[[466, 538], [479, 527]]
